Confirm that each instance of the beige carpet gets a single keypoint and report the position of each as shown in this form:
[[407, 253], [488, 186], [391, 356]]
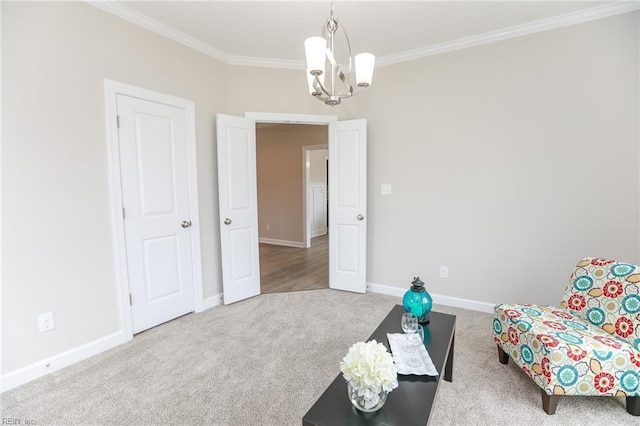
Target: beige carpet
[[265, 361]]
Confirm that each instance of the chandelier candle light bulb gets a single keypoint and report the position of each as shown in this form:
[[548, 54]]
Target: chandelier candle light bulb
[[364, 69], [315, 48]]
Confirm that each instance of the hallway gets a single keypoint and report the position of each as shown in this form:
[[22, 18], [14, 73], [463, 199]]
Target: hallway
[[291, 269]]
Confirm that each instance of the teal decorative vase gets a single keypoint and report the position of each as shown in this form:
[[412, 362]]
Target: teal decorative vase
[[417, 301]]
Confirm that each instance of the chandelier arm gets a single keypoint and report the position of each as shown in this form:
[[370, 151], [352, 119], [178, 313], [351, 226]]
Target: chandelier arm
[[330, 47], [346, 36], [319, 87], [321, 98], [358, 89], [343, 78], [337, 70]]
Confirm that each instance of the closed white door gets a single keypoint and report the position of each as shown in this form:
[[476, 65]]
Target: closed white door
[[155, 195], [238, 207], [348, 205]]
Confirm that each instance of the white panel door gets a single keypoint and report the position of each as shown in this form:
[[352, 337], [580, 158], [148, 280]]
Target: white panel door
[[238, 207], [155, 196], [318, 210], [348, 205]]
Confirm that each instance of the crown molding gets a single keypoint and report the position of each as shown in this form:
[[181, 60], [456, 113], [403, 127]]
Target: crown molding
[[251, 61], [586, 15], [565, 20], [150, 24]]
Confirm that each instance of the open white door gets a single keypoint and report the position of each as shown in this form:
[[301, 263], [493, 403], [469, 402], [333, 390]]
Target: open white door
[[348, 205], [238, 207]]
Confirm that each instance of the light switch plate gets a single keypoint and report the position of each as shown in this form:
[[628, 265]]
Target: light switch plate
[[385, 189], [46, 322], [444, 271]]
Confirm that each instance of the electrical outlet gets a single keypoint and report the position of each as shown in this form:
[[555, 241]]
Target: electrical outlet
[[385, 189], [268, 227], [46, 322], [444, 271]]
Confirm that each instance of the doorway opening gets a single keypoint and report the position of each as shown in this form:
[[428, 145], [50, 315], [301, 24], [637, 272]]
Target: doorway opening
[[238, 201], [291, 166]]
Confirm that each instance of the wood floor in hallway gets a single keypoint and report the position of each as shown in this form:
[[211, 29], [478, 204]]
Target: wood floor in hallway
[[292, 269]]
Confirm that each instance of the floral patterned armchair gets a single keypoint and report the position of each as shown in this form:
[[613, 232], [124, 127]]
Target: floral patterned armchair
[[589, 345]]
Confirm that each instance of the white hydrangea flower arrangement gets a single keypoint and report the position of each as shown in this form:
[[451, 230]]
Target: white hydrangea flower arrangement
[[369, 369]]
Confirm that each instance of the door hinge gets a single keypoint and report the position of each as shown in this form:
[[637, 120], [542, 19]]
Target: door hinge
[[118, 121], [130, 300], [123, 215]]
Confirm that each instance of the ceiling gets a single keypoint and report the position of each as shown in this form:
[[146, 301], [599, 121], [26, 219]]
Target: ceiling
[[274, 32]]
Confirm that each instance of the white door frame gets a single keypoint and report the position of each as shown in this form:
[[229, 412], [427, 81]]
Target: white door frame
[[111, 90], [306, 177], [284, 118]]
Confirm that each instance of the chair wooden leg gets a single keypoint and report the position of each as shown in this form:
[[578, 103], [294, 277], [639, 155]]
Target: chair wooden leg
[[633, 405], [549, 402], [502, 355]]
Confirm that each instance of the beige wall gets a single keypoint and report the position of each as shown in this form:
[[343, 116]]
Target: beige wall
[[508, 161], [272, 90], [318, 166], [57, 248], [280, 178]]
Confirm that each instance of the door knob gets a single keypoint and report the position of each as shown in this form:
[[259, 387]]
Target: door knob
[[227, 221], [360, 217], [185, 223]]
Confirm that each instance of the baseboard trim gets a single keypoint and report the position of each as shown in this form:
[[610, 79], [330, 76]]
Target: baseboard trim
[[455, 302], [297, 244], [46, 366], [212, 302]]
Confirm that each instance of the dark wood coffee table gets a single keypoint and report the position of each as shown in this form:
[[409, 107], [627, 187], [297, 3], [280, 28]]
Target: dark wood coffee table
[[410, 403]]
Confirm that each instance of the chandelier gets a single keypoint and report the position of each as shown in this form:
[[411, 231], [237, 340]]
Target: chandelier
[[328, 81]]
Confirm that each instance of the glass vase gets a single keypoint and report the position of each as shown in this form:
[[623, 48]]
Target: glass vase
[[360, 402]]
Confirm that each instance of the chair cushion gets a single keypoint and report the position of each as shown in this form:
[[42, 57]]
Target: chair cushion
[[606, 293], [566, 354]]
